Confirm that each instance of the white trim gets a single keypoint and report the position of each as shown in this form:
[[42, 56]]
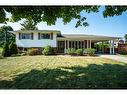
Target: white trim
[[110, 47], [113, 51], [90, 43], [87, 44], [65, 46]]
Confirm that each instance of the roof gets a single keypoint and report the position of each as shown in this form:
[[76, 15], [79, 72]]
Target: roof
[[57, 31], [84, 36]]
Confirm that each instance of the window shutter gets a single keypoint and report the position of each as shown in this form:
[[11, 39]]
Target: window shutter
[[19, 36], [51, 36], [31, 36], [38, 36]]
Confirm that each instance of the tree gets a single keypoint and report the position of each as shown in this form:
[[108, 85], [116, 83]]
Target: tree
[[125, 36], [6, 36], [6, 51], [50, 14], [13, 48], [114, 10], [101, 46], [29, 25]]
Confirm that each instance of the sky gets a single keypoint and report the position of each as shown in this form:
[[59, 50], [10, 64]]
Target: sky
[[98, 25]]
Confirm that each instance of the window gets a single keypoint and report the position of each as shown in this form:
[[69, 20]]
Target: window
[[26, 36], [45, 36]]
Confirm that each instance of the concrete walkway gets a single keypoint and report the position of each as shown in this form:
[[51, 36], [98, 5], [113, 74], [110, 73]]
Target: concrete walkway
[[115, 57]]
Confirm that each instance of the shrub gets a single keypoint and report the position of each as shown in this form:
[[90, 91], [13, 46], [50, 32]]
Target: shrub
[[71, 51], [1, 57], [33, 51], [79, 51], [6, 51], [90, 51], [13, 49], [47, 50]]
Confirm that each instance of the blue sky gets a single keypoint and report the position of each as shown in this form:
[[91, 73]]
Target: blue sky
[[98, 25]]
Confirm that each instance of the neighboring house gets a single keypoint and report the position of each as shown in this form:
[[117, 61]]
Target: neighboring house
[[54, 38]]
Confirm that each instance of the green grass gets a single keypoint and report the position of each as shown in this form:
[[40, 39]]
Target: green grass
[[58, 72]]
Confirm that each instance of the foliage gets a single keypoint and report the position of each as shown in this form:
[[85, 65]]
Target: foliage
[[56, 72], [71, 51], [50, 14], [6, 36], [79, 51], [33, 51], [102, 46], [6, 51], [29, 25], [1, 49], [13, 48], [47, 50], [90, 51], [114, 10], [125, 36]]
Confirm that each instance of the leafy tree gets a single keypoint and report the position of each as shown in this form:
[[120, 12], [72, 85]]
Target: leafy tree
[[114, 10], [13, 48], [5, 35], [125, 36], [6, 51], [50, 14], [102, 46], [29, 25]]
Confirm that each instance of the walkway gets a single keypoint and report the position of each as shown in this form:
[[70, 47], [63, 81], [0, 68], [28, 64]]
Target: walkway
[[115, 57]]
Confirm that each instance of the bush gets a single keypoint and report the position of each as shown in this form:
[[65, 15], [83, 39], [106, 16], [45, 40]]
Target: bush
[[6, 51], [47, 50], [13, 49], [1, 57], [79, 51], [90, 51], [33, 51], [71, 51]]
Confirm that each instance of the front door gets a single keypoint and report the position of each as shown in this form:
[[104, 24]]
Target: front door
[[60, 46]]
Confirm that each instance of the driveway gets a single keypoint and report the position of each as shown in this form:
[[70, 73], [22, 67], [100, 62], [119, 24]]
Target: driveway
[[115, 57]]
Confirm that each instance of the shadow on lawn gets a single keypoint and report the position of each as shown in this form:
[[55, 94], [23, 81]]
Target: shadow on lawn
[[93, 76]]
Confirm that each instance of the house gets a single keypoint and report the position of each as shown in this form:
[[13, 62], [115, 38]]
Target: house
[[54, 38]]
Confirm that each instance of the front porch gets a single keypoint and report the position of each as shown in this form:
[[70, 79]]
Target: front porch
[[76, 42]]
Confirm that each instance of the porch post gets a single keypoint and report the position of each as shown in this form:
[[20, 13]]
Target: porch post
[[74, 44], [68, 43], [84, 42], [90, 43], [65, 46], [110, 47], [87, 43], [113, 47], [77, 44]]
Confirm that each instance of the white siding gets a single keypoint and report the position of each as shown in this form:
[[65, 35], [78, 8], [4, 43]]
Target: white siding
[[35, 42]]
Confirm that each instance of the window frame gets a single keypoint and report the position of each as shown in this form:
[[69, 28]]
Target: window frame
[[26, 36], [45, 36]]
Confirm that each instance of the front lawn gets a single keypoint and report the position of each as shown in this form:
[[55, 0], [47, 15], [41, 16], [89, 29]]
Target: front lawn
[[32, 72]]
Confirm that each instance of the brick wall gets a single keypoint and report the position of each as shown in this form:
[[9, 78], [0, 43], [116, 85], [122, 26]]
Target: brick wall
[[122, 48]]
